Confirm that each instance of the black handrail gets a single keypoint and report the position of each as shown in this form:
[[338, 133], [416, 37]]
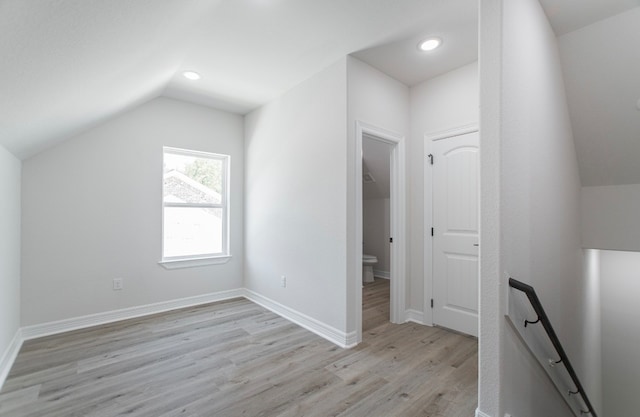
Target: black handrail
[[544, 319]]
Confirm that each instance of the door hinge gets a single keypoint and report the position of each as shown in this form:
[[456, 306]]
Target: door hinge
[[432, 231], [430, 156], [432, 303]]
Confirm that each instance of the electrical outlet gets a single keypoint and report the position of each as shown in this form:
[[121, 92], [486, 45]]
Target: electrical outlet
[[283, 281], [117, 284]]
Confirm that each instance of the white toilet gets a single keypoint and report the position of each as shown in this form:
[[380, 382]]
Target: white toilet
[[368, 261]]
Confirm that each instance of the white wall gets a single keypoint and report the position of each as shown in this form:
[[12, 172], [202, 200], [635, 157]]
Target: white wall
[[526, 139], [620, 282], [610, 217], [375, 231], [10, 173], [92, 212], [448, 101], [378, 100], [295, 211], [591, 352]]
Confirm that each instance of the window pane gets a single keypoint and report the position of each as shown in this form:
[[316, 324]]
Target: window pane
[[191, 179], [192, 231]]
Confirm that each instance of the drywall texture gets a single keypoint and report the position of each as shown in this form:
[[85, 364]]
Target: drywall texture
[[92, 212], [10, 174], [442, 103], [378, 100], [375, 231], [295, 211], [539, 206], [620, 332], [610, 217]]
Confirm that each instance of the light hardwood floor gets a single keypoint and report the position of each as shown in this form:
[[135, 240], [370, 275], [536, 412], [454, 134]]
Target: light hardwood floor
[[235, 358]]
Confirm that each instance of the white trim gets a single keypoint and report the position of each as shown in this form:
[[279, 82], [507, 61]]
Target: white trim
[[481, 414], [398, 222], [414, 316], [449, 133], [9, 356], [429, 138], [193, 262], [75, 323], [381, 274], [225, 203], [338, 337]]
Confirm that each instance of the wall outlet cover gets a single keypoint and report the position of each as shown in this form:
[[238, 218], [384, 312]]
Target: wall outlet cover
[[117, 284]]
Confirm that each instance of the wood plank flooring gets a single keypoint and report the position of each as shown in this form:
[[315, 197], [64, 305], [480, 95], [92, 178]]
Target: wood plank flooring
[[235, 358]]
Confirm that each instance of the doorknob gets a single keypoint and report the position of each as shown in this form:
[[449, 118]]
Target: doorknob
[[476, 244]]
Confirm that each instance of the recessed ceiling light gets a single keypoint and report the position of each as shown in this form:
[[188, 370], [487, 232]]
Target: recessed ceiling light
[[429, 44], [191, 75]]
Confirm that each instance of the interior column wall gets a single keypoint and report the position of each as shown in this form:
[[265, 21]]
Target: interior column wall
[[534, 181], [296, 195], [10, 177]]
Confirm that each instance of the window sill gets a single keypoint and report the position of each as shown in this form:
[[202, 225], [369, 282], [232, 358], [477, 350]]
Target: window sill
[[194, 262]]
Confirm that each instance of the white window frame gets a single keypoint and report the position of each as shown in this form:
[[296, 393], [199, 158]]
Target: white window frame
[[224, 256]]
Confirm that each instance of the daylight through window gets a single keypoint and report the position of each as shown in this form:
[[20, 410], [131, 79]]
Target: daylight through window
[[195, 204]]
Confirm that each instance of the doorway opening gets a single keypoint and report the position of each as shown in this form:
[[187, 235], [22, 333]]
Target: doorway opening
[[377, 141], [376, 233]]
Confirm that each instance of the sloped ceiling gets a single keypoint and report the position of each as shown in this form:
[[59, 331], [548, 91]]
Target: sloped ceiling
[[569, 15], [601, 64], [376, 161], [599, 42], [68, 65]]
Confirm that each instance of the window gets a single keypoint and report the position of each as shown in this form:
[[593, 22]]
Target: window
[[195, 225]]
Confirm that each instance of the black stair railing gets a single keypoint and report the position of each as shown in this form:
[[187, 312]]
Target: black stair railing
[[546, 324]]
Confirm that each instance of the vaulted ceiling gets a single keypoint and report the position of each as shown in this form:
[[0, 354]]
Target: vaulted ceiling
[[69, 65]]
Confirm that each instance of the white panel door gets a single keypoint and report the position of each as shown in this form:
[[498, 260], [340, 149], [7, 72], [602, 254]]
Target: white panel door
[[455, 234]]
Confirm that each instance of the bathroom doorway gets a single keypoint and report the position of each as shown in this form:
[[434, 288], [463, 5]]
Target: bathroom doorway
[[376, 232], [380, 154]]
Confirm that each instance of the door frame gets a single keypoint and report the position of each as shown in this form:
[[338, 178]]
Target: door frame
[[397, 222], [429, 138]]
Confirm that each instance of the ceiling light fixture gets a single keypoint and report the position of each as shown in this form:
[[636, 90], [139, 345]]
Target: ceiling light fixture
[[191, 75], [429, 44]]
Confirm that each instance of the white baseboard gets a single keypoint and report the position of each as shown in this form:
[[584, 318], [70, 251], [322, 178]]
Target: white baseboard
[[481, 414], [75, 323], [381, 274], [340, 338], [9, 356], [414, 316]]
